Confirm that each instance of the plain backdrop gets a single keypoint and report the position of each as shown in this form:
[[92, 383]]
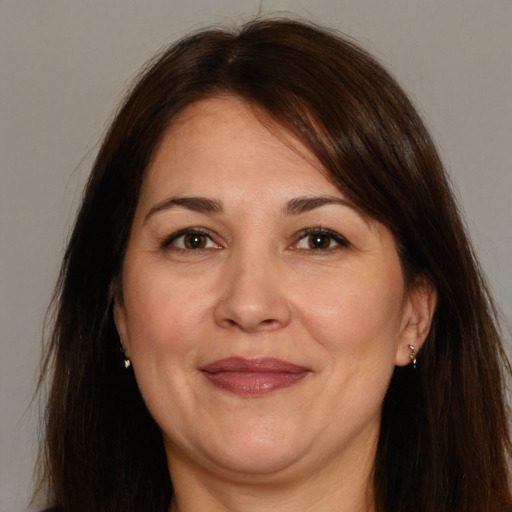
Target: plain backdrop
[[65, 64]]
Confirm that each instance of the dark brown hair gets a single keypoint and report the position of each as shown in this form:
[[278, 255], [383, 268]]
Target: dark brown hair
[[444, 443]]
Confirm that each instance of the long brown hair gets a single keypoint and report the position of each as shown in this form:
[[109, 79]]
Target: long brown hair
[[444, 443]]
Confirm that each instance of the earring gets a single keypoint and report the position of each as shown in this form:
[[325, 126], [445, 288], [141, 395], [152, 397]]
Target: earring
[[127, 362], [412, 355]]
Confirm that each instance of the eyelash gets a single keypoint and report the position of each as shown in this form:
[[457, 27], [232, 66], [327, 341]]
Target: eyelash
[[168, 242], [339, 240]]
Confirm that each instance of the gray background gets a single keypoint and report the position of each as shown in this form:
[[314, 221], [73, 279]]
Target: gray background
[[65, 63]]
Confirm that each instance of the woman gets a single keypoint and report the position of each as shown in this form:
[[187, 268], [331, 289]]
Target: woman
[[269, 301]]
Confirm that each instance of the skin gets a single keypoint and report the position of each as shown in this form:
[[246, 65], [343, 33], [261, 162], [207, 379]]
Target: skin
[[259, 288]]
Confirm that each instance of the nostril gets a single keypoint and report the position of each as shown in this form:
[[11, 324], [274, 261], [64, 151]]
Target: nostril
[[265, 325], [252, 308], [248, 326]]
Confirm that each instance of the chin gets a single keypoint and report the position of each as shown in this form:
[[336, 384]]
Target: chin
[[260, 453], [257, 462]]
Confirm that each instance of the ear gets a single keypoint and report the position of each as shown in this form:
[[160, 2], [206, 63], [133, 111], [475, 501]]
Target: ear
[[119, 313], [417, 317]]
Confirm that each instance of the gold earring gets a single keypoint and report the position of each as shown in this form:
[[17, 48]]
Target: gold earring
[[412, 355]]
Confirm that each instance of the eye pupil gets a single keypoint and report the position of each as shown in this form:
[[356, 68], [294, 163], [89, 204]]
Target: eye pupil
[[195, 241], [319, 241]]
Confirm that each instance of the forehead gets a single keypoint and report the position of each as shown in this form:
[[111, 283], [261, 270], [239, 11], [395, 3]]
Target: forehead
[[223, 141]]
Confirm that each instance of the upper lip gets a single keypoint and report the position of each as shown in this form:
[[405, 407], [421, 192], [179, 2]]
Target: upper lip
[[256, 365]]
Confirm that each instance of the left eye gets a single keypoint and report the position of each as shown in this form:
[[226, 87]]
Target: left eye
[[321, 240], [191, 240]]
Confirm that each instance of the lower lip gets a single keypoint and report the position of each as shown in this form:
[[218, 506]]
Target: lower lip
[[254, 383]]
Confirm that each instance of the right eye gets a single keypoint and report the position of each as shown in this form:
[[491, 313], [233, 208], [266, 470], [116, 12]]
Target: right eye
[[190, 240], [321, 240]]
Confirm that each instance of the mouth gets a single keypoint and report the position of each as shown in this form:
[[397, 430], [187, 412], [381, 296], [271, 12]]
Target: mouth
[[253, 377]]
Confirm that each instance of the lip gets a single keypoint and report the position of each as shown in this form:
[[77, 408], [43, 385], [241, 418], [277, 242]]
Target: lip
[[253, 377]]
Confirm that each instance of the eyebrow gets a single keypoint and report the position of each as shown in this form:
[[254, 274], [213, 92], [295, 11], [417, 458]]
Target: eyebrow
[[307, 203], [196, 204], [295, 206]]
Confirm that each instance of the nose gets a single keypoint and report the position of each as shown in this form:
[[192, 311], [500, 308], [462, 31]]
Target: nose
[[253, 295]]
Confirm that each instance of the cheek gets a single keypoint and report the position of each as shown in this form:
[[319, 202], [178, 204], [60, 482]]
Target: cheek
[[356, 314], [163, 320], [163, 313], [356, 321]]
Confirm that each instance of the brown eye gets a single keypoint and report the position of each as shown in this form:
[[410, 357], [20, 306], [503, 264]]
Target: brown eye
[[195, 241], [192, 239], [319, 241]]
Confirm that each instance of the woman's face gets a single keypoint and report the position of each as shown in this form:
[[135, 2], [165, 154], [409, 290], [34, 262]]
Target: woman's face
[[262, 312]]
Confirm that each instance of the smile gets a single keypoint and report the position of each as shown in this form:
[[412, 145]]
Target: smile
[[252, 377]]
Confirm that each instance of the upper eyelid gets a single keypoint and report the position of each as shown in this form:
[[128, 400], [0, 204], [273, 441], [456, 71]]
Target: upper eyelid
[[323, 231], [215, 237], [187, 231]]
